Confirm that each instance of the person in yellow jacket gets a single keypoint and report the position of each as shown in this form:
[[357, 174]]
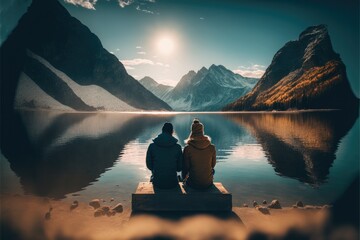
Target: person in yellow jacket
[[199, 158]]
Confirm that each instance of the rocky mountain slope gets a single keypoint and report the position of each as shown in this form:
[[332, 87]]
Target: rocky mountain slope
[[50, 32], [53, 86], [304, 74], [159, 90]]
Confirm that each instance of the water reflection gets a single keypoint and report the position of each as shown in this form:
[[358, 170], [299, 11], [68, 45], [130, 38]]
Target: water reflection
[[70, 151], [298, 145], [65, 153]]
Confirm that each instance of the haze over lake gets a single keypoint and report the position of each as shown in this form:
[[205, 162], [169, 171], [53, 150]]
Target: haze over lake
[[308, 156]]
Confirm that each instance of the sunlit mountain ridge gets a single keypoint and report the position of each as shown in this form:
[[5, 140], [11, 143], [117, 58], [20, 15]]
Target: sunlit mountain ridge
[[205, 90], [304, 74]]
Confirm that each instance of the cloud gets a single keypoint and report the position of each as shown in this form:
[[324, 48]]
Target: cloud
[[138, 47], [124, 3], [162, 64], [130, 64], [253, 71], [141, 53], [129, 67], [169, 82], [201, 18], [142, 61], [144, 10], [137, 61], [89, 4]]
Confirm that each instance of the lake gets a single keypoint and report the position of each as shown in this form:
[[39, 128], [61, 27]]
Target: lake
[[307, 156]]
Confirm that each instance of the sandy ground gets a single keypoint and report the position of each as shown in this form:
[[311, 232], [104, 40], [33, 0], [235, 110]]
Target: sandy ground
[[24, 216]]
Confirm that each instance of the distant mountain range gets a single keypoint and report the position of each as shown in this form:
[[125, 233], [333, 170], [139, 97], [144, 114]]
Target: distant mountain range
[[304, 74], [205, 90], [159, 90], [51, 60]]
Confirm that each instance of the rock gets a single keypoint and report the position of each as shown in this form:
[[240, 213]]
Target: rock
[[264, 202], [263, 210], [299, 204], [95, 203], [99, 212], [118, 208], [294, 206], [106, 209], [48, 215], [245, 205], [275, 204], [110, 213], [255, 204], [103, 200], [74, 205], [111, 199], [309, 207], [326, 206]]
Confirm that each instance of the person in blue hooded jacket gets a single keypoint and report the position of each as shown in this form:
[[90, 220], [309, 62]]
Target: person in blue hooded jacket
[[164, 158]]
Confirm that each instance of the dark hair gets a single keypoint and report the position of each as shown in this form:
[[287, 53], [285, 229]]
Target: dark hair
[[196, 120], [168, 128]]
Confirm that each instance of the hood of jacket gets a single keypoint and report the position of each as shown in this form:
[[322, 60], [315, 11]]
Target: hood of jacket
[[200, 142], [165, 140]]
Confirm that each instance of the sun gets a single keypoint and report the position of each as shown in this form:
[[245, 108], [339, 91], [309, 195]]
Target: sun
[[166, 45]]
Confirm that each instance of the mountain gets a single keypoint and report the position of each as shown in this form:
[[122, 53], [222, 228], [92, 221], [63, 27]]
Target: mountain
[[208, 89], [30, 93], [304, 74], [159, 90], [69, 51]]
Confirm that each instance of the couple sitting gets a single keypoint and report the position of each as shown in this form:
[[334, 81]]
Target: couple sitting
[[165, 158]]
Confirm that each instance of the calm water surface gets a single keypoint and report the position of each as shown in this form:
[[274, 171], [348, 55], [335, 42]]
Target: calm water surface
[[309, 156]]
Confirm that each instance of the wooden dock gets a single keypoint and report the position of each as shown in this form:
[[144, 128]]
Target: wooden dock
[[183, 198]]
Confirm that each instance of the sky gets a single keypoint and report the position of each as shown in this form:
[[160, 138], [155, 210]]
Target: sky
[[165, 39]]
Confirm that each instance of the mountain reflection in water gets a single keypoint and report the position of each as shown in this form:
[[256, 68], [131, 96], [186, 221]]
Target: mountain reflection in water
[[298, 145], [72, 153]]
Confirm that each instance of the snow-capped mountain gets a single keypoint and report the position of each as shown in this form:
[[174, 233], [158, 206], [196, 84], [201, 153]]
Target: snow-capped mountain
[[159, 90], [68, 63], [76, 97], [30, 95], [208, 89]]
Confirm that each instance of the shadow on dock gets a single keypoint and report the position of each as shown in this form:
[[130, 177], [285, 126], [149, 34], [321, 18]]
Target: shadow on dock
[[180, 215]]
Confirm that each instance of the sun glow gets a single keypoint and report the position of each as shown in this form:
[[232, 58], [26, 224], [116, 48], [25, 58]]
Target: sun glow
[[166, 45]]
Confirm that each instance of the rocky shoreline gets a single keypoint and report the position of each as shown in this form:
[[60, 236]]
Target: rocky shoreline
[[109, 219]]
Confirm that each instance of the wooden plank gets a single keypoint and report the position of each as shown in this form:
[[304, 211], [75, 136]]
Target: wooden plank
[[183, 198]]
